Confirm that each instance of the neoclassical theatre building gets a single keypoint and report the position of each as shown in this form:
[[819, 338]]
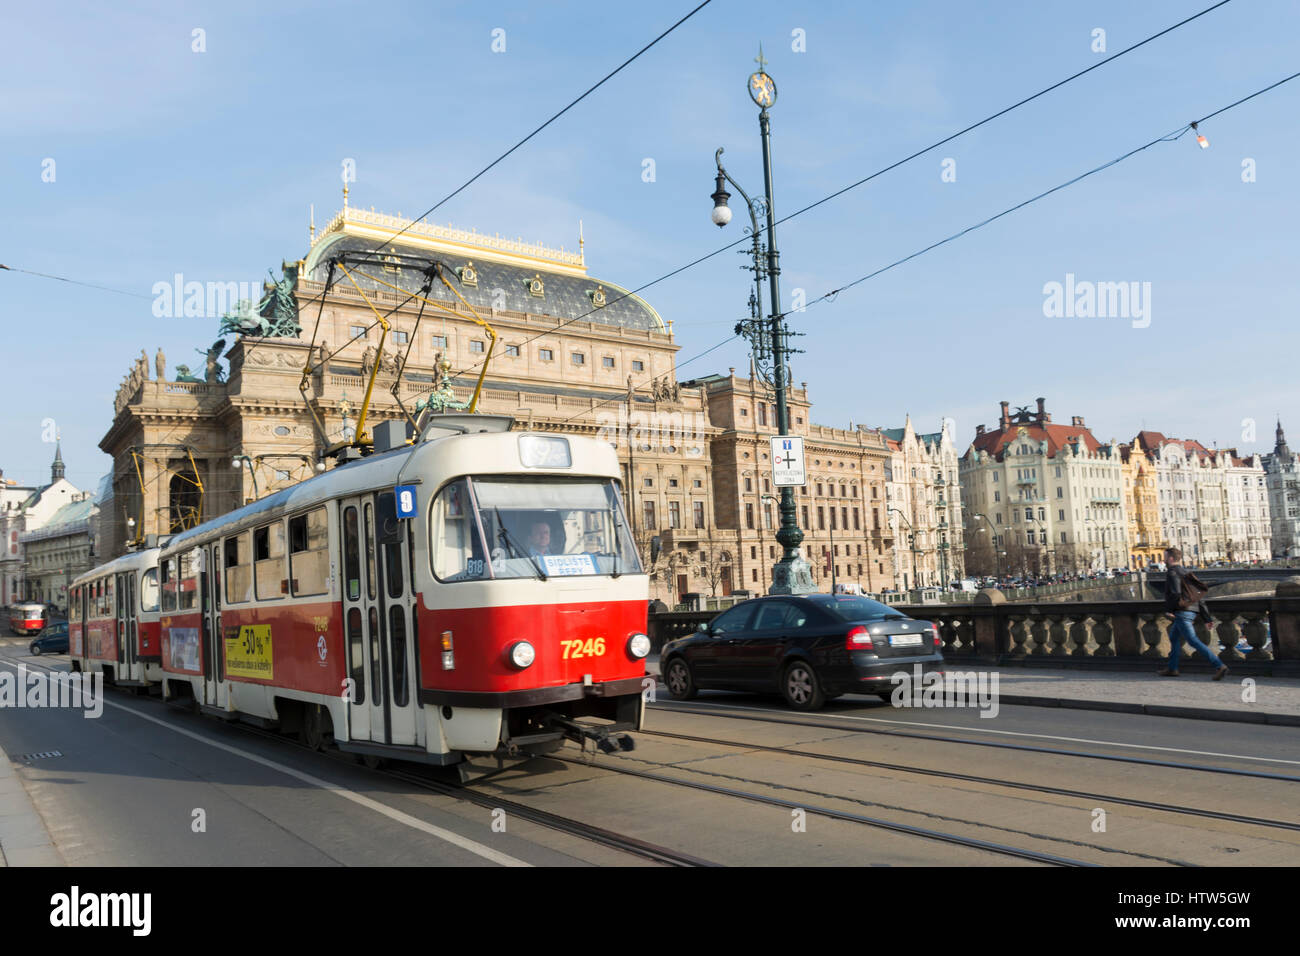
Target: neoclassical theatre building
[[573, 354]]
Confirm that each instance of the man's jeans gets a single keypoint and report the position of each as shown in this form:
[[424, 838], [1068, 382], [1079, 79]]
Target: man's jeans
[[1182, 630]]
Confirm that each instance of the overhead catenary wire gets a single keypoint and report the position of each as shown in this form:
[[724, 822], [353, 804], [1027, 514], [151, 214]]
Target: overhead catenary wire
[[973, 126], [883, 170], [1167, 138]]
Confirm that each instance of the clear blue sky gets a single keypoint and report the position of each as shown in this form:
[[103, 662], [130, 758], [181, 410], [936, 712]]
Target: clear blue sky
[[173, 161]]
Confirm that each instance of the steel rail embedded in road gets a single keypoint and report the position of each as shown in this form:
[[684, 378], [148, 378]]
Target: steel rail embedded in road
[[553, 821], [686, 708], [993, 781], [586, 831], [923, 832]]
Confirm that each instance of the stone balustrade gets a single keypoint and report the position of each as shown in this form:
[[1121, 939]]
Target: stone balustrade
[[1111, 634]]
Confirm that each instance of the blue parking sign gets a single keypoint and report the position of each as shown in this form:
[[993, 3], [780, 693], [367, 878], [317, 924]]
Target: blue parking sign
[[406, 506]]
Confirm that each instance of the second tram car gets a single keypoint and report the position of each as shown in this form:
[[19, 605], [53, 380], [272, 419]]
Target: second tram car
[[113, 620], [477, 591]]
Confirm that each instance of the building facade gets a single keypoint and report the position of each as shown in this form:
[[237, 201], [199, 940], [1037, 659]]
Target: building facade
[[1041, 497], [1282, 483], [24, 510], [566, 352], [925, 507], [60, 551]]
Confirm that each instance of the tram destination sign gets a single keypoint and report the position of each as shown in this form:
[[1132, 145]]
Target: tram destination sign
[[787, 460]]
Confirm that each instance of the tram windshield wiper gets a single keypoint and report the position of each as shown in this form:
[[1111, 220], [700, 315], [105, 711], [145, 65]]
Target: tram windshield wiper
[[508, 540]]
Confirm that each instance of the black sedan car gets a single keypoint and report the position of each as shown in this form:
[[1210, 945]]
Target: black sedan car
[[52, 640], [810, 648]]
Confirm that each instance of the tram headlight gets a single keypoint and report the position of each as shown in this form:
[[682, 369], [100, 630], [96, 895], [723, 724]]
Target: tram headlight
[[522, 654], [638, 645]]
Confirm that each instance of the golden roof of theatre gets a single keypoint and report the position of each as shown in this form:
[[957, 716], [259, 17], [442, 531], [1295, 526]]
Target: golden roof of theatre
[[494, 272]]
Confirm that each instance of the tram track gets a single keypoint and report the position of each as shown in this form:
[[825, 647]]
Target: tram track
[[553, 821], [774, 717], [940, 836], [989, 781]]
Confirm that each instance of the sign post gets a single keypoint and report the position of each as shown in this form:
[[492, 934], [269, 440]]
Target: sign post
[[787, 461]]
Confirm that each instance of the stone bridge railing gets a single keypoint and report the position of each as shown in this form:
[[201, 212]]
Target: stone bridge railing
[[1111, 634]]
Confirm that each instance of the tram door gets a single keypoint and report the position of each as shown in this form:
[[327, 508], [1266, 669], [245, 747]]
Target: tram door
[[376, 621], [123, 636], [129, 628], [216, 691]]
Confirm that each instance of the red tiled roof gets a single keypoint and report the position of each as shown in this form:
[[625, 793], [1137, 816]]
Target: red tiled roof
[[1057, 437]]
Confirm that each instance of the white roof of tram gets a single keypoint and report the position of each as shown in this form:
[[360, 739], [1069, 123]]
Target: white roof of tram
[[446, 451]]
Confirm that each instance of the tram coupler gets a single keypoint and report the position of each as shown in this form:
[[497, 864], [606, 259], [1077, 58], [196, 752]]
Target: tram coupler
[[604, 741]]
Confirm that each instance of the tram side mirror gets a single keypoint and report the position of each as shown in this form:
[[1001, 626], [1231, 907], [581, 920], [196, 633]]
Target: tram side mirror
[[656, 548]]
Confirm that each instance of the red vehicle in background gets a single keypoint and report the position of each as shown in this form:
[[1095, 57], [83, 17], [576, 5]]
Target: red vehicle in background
[[28, 618]]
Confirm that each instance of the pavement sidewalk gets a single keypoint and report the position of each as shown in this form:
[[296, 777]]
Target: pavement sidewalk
[[23, 838], [1193, 695]]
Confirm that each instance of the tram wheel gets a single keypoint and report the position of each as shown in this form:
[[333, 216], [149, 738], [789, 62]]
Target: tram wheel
[[680, 681], [800, 687], [314, 733]]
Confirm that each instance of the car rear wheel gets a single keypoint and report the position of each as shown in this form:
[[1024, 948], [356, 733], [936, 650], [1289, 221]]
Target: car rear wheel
[[680, 680], [801, 688]]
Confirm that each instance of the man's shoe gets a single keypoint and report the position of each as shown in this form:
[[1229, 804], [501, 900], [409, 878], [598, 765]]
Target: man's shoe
[[1166, 672], [1218, 675]]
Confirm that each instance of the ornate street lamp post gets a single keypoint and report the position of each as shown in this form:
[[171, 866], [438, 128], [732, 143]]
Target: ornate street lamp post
[[790, 575]]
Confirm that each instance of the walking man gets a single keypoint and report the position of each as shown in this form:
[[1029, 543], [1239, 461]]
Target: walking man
[[1184, 605]]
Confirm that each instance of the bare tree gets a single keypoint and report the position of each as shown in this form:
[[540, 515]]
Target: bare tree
[[714, 568]]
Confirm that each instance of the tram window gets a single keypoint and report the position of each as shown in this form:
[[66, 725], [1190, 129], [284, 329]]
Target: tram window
[[392, 543], [356, 645], [376, 676], [455, 548], [168, 571], [149, 590], [397, 644], [268, 562], [74, 608], [309, 564], [239, 568], [187, 583], [370, 551], [351, 556]]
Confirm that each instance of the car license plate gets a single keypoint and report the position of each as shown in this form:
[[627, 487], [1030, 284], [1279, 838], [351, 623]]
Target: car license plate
[[904, 640]]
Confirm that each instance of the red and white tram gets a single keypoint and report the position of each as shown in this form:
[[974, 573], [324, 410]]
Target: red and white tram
[[477, 591], [113, 620], [27, 618]]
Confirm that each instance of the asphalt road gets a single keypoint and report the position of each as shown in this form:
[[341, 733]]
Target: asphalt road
[[126, 787]]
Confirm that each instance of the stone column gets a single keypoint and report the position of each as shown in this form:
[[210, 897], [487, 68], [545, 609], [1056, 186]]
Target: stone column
[[1285, 617]]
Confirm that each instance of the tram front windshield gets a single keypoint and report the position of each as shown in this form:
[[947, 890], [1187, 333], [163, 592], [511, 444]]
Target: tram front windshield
[[493, 527]]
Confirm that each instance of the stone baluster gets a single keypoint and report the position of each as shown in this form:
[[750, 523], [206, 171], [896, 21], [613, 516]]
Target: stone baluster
[[1228, 633], [1079, 636], [1256, 633], [1060, 635], [1016, 636], [948, 635], [1038, 629], [1153, 635], [1103, 634]]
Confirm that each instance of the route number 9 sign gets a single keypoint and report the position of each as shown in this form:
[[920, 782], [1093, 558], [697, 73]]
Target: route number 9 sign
[[406, 506]]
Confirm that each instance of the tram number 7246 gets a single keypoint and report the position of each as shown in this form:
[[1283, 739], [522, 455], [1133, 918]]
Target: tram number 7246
[[592, 647]]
